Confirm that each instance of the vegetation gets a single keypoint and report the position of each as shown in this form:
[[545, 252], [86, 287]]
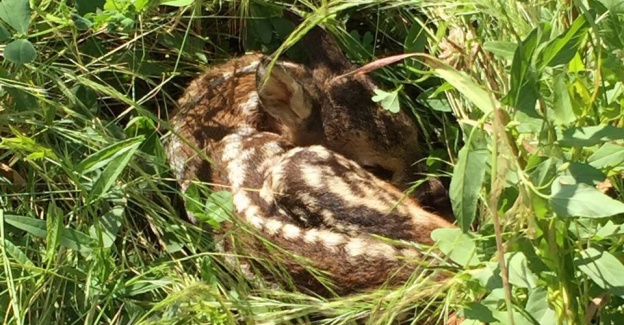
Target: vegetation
[[520, 106]]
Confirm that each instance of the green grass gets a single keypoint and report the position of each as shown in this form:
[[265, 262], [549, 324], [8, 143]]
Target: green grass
[[527, 120]]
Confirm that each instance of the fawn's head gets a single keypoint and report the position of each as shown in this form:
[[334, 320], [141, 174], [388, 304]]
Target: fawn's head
[[321, 103]]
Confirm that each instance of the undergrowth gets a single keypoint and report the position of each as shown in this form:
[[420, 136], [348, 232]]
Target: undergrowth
[[519, 105]]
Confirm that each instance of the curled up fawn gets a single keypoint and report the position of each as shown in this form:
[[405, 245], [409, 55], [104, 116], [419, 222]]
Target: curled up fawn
[[315, 167]]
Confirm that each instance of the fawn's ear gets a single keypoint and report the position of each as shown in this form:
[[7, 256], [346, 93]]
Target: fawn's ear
[[281, 93]]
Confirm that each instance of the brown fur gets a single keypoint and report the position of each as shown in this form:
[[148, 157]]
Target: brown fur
[[263, 129], [344, 249]]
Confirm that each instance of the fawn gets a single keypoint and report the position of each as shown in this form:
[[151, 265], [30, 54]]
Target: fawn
[[328, 162]]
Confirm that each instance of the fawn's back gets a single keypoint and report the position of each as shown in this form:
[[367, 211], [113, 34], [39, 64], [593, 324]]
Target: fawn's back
[[319, 211]]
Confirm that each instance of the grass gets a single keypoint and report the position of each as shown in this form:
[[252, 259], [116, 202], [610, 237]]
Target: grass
[[523, 112]]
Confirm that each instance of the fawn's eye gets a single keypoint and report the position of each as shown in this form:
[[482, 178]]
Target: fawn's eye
[[380, 172]]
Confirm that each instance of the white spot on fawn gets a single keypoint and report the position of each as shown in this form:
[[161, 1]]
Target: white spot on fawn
[[312, 176], [236, 175], [328, 216], [273, 226], [328, 239], [291, 232], [176, 160], [321, 152], [292, 152], [272, 148], [254, 217], [249, 68], [358, 247], [311, 236], [241, 201], [178, 163], [332, 240], [232, 148], [245, 131], [250, 106], [291, 65]]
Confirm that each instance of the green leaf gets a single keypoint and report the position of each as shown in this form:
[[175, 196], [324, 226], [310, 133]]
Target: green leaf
[[543, 173], [436, 99], [20, 51], [487, 311], [537, 306], [612, 315], [77, 241], [193, 202], [571, 199], [524, 89], [480, 312], [609, 229], [519, 273], [468, 178], [608, 156], [54, 230], [17, 254], [110, 173], [208, 271], [219, 205], [260, 25], [368, 42], [80, 22], [502, 49], [16, 13], [106, 155], [585, 173], [539, 204], [4, 33], [108, 226], [590, 135], [86, 98], [283, 27], [415, 42], [137, 287], [563, 48], [603, 268], [519, 318], [389, 100], [71, 238], [30, 225], [27, 146], [563, 113], [144, 126], [458, 246], [465, 85], [614, 6], [127, 23], [215, 209], [487, 278], [88, 6], [141, 4], [176, 3], [529, 123]]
